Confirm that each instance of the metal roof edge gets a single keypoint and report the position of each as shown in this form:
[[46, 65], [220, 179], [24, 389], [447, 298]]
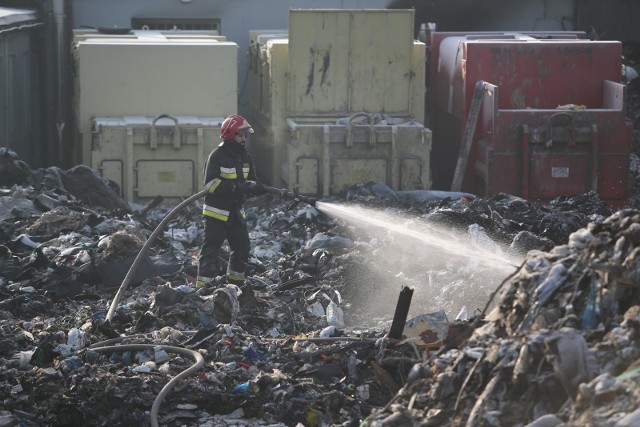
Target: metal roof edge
[[14, 17]]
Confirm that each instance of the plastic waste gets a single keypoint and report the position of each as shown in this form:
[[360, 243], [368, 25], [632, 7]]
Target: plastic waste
[[26, 240], [309, 212], [329, 331], [571, 358], [8, 419], [589, 318], [383, 191], [244, 388], [76, 338], [160, 356], [24, 357], [353, 367], [427, 328], [463, 315], [69, 365], [556, 277], [142, 357], [480, 239], [335, 316], [320, 240], [146, 367], [316, 309], [251, 355], [363, 392]]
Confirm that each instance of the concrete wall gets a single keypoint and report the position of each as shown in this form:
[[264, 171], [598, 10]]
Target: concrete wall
[[535, 15], [493, 15], [611, 19], [237, 17], [20, 93]]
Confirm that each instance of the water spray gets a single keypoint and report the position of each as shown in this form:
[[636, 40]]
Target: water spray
[[445, 241], [412, 253]]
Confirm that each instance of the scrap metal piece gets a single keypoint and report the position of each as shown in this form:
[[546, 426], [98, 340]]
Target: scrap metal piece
[[400, 315]]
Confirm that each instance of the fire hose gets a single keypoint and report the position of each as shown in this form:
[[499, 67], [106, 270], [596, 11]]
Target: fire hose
[[155, 408]]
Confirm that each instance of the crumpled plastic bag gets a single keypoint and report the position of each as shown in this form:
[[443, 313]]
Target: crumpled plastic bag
[[572, 361]]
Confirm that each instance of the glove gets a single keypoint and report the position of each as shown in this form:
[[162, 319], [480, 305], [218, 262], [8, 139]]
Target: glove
[[250, 187], [258, 189]]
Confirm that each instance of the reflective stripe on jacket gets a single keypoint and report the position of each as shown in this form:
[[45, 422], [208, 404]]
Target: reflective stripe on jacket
[[215, 213], [227, 165]]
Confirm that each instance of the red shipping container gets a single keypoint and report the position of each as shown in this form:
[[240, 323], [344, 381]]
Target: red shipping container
[[552, 117]]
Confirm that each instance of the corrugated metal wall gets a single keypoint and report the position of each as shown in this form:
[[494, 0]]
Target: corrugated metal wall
[[20, 127]]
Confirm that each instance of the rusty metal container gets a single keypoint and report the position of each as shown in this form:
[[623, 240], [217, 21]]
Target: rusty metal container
[[551, 118]]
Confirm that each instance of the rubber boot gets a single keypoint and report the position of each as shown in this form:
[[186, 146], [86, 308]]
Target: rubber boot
[[206, 285]]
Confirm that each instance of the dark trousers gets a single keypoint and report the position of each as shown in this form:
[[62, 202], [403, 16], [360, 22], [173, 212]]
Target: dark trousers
[[215, 232]]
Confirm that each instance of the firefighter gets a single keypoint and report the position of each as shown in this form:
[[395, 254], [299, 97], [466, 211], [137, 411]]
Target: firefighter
[[230, 176]]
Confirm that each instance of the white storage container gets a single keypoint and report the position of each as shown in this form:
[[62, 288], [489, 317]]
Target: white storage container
[[154, 156], [149, 73], [338, 100]]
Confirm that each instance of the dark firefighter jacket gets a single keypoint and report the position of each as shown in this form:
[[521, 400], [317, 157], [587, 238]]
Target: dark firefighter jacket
[[227, 165]]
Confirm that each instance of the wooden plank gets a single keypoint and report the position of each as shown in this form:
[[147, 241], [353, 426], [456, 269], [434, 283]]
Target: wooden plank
[[467, 139]]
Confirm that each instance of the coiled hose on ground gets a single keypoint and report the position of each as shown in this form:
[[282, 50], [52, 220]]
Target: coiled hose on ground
[[101, 347]]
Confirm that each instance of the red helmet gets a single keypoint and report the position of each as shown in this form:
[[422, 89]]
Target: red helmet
[[232, 124]]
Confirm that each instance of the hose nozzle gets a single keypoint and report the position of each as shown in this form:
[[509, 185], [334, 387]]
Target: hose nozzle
[[308, 200], [297, 198]]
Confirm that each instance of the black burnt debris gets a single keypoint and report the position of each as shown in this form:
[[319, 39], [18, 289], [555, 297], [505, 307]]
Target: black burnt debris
[[552, 340]]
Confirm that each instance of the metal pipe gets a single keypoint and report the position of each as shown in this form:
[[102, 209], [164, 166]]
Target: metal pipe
[[61, 71], [400, 315]]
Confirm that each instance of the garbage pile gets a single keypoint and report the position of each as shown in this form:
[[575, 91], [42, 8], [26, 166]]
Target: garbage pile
[[561, 347], [308, 353]]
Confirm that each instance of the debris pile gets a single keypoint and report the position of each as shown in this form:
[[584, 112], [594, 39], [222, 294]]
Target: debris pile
[[560, 348], [309, 353]]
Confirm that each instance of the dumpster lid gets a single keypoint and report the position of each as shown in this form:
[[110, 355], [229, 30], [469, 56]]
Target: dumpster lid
[[358, 119], [139, 121]]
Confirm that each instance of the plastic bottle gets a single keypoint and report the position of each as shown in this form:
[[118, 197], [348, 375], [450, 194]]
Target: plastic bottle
[[589, 318], [353, 366], [335, 317]]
